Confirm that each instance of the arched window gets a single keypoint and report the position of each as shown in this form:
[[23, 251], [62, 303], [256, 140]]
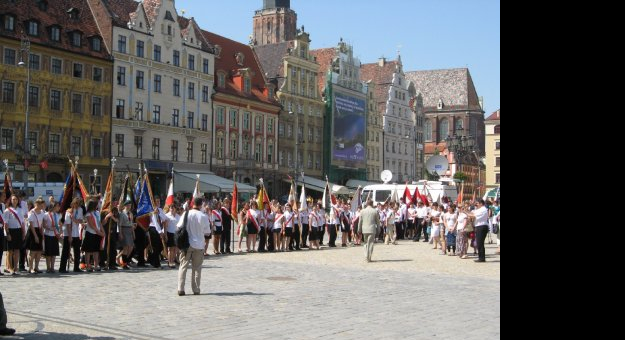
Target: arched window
[[443, 130], [459, 125], [428, 130]]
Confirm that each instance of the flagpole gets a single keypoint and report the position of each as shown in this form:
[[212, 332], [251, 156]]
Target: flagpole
[[108, 250]]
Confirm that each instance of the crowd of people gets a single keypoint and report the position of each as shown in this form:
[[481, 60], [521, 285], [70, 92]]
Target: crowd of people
[[88, 241]]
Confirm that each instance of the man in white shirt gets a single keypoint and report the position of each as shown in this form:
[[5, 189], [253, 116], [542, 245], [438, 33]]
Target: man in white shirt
[[158, 225], [197, 226], [481, 228]]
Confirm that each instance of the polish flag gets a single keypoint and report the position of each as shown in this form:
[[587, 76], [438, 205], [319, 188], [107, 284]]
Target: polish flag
[[170, 194]]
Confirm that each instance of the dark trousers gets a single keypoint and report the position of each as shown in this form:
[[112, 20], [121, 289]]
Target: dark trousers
[[22, 261], [421, 228], [2, 244], [112, 256], [399, 230], [322, 235], [295, 240], [480, 235], [154, 258], [262, 240], [305, 229], [226, 239], [141, 243], [75, 246], [332, 231]]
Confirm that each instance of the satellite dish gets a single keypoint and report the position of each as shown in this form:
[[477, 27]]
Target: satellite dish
[[386, 176], [438, 165]]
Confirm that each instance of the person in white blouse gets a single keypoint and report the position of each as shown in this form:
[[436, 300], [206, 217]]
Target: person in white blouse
[[38, 220], [14, 229], [481, 215], [173, 215], [52, 236], [451, 225]]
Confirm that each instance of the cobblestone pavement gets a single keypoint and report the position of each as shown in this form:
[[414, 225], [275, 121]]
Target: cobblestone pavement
[[409, 292]]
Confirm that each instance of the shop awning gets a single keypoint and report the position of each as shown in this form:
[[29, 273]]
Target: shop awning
[[319, 186], [354, 184], [209, 183], [494, 193]]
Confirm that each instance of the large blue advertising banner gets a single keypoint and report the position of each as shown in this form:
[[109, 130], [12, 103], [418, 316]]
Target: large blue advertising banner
[[349, 129]]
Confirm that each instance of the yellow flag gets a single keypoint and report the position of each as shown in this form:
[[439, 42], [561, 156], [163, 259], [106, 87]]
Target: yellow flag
[[259, 200]]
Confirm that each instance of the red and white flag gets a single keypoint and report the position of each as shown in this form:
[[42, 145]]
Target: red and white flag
[[170, 194]]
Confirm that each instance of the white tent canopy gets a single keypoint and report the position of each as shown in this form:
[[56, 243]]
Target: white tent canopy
[[319, 185], [354, 184], [209, 182]]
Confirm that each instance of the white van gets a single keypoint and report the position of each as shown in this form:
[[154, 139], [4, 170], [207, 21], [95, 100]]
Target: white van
[[435, 190]]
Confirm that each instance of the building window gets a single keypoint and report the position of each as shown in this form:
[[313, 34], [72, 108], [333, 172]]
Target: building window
[[139, 147], [258, 154], [247, 85], [175, 118], [177, 58], [281, 129], [174, 150], [281, 158], [96, 148], [157, 83], [318, 162], [270, 154], [233, 147], [310, 161], [191, 91], [233, 119], [9, 56], [190, 152], [56, 66], [246, 121], [156, 114], [205, 96], [77, 103], [221, 116], [97, 74], [121, 76], [76, 39], [54, 146], [258, 124], [119, 140], [121, 44], [498, 162], [318, 135], [498, 129], [311, 135], [76, 143], [290, 131], [96, 106], [176, 87], [498, 145], [205, 66], [443, 130], [220, 147], [33, 96], [55, 100], [9, 23], [120, 108], [221, 78], [191, 120], [270, 126], [140, 80], [157, 53], [140, 49], [156, 149], [35, 62], [139, 111], [78, 70], [33, 28], [204, 122], [191, 62], [428, 130], [204, 148], [7, 140], [498, 178]]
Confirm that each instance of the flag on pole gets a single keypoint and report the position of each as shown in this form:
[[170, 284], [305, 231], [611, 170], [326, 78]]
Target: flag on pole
[[235, 201], [407, 195], [197, 193], [357, 200], [138, 187], [303, 203], [326, 197], [461, 194], [170, 193], [8, 187], [68, 193], [83, 190], [260, 199], [108, 194], [144, 206], [395, 195]]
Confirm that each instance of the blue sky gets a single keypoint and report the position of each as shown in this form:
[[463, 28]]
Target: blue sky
[[431, 34]]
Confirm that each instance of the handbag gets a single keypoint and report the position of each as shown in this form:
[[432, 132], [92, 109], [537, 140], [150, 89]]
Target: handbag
[[182, 235]]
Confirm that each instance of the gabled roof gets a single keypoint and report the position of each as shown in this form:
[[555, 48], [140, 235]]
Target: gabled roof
[[453, 86], [271, 58], [122, 11], [495, 116], [381, 76], [227, 62], [324, 57], [56, 14]]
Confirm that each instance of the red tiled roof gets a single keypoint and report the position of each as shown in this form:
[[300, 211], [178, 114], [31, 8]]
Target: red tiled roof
[[495, 116], [56, 14], [324, 57], [432, 148], [122, 10], [381, 76], [227, 62]]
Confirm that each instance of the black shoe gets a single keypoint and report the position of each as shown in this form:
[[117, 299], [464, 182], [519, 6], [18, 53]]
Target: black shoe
[[479, 261], [181, 293], [23, 270], [7, 331], [63, 271]]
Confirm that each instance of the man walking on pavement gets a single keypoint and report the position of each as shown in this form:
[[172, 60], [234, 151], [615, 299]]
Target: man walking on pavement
[[368, 227]]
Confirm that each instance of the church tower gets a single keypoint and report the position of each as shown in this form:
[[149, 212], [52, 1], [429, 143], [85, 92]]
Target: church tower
[[275, 23]]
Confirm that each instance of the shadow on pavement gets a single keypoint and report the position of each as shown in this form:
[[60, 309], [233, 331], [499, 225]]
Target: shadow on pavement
[[237, 294], [59, 336], [393, 261]]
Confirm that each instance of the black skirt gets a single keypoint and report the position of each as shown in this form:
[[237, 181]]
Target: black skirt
[[171, 240], [3, 241], [30, 243], [251, 229], [51, 246], [91, 243], [16, 239]]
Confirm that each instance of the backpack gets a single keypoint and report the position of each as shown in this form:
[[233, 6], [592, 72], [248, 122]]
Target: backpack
[[182, 235]]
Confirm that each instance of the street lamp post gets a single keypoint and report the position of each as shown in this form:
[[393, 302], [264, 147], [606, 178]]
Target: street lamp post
[[27, 147]]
